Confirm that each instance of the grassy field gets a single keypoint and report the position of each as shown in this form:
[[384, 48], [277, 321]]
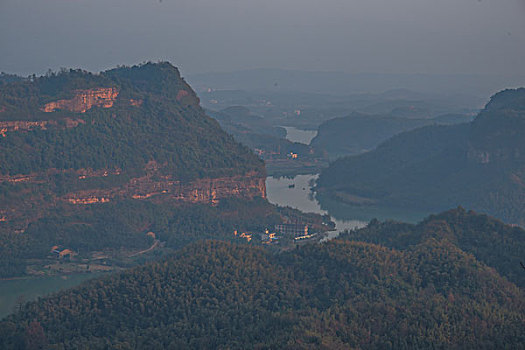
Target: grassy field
[[34, 287]]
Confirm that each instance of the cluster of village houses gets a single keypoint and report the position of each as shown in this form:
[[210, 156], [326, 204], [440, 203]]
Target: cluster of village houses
[[267, 154], [61, 252], [296, 231]]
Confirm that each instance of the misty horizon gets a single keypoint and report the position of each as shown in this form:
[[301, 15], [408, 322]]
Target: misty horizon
[[423, 37]]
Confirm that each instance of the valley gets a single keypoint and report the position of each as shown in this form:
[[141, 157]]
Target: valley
[[478, 165], [315, 295], [231, 175], [186, 201]]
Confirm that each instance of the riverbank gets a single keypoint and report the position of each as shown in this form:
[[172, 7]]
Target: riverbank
[[296, 192]]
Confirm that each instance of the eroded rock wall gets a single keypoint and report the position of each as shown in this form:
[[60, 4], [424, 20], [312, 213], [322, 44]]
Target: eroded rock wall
[[158, 188], [84, 100]]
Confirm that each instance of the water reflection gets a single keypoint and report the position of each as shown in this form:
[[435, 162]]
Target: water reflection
[[299, 135], [296, 193]]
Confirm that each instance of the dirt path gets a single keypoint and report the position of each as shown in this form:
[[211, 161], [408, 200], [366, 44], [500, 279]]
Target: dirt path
[[153, 246]]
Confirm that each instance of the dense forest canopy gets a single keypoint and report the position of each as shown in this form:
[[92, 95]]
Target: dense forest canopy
[[170, 130], [405, 287]]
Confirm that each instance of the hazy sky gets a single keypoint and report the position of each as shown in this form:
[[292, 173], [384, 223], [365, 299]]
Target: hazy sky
[[381, 36]]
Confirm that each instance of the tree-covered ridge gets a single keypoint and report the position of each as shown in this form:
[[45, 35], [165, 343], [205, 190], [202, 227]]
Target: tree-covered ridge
[[478, 165], [513, 99], [358, 132], [9, 78], [422, 293], [166, 126], [488, 239]]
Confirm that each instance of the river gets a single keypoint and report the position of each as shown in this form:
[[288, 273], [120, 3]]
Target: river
[[297, 193], [299, 135], [300, 196]]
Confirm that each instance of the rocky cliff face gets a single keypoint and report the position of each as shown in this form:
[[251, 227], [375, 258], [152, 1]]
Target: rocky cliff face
[[95, 161], [84, 100], [496, 135], [23, 125], [159, 188], [153, 186]]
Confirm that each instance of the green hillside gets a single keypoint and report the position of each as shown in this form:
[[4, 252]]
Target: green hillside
[[416, 288], [489, 240], [478, 165], [93, 162], [166, 129], [358, 133]]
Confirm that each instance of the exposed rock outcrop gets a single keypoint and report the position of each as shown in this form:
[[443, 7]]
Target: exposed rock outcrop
[[88, 200], [44, 176], [135, 103], [23, 125], [16, 125], [85, 100], [158, 188]]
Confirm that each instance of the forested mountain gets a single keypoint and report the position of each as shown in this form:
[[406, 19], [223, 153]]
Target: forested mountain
[[122, 118], [8, 78], [269, 142], [257, 133], [358, 132], [479, 165], [488, 239], [239, 119], [434, 285], [94, 161]]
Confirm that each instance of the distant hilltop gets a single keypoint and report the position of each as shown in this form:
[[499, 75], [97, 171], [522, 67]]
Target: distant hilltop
[[479, 165]]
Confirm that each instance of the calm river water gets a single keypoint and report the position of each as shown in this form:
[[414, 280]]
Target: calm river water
[[297, 193], [299, 135], [301, 197]]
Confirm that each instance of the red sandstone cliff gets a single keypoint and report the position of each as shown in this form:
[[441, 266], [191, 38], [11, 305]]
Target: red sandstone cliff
[[24, 125], [30, 205], [85, 100], [158, 188]]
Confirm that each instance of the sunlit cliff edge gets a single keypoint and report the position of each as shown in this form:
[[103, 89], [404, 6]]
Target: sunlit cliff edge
[[75, 141]]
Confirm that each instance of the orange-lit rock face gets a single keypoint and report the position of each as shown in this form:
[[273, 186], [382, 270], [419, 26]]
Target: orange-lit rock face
[[85, 100], [88, 200], [206, 190], [16, 125], [24, 125], [135, 103]]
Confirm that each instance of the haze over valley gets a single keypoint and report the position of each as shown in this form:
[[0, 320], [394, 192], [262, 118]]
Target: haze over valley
[[264, 174]]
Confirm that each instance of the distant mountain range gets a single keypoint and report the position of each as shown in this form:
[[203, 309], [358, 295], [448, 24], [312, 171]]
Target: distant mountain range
[[358, 132], [460, 86], [479, 165]]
